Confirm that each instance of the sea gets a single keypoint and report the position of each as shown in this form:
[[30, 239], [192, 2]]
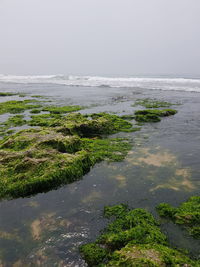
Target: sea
[[163, 165]]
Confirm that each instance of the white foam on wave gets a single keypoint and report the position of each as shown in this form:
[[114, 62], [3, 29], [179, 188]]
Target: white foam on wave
[[180, 84]]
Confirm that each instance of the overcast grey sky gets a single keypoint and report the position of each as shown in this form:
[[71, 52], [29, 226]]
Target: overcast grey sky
[[100, 37]]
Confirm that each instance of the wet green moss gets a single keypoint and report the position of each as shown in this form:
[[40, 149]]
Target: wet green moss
[[132, 239], [35, 111], [37, 96], [94, 254], [37, 160], [187, 214], [83, 125], [152, 103], [47, 120], [17, 120], [61, 110], [17, 106], [6, 94], [153, 115], [114, 149]]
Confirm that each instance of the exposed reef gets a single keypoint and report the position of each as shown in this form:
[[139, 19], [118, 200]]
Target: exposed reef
[[133, 238], [187, 214], [60, 110], [153, 115], [15, 106], [36, 160], [152, 103], [6, 94]]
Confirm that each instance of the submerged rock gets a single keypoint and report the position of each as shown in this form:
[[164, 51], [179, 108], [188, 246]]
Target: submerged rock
[[187, 214], [133, 239]]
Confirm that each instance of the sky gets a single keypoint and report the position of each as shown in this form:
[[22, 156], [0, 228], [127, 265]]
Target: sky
[[100, 37]]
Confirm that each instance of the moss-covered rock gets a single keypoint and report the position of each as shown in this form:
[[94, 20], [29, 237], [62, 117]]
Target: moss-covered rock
[[187, 214], [36, 160], [83, 125], [153, 115], [17, 120], [132, 239], [152, 103], [2, 94], [63, 109], [17, 106]]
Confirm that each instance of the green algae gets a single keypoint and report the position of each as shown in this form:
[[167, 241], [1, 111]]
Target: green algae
[[15, 106], [187, 214], [113, 149], [83, 125], [133, 238], [17, 120], [62, 110], [37, 96], [152, 103], [2, 94], [37, 160], [149, 115], [14, 121], [47, 120], [35, 111]]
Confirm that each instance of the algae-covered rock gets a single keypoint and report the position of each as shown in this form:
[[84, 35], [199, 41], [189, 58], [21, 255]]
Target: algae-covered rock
[[132, 239], [15, 106], [3, 94], [36, 160], [153, 115], [63, 109], [152, 103], [83, 125], [187, 214]]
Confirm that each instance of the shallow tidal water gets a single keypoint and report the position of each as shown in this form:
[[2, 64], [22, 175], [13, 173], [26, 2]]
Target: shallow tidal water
[[163, 166]]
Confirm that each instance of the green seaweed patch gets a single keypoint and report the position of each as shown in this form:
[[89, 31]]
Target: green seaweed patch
[[152, 103], [128, 117], [22, 95], [17, 106], [2, 94], [133, 238], [62, 110], [14, 121], [149, 115], [83, 125], [37, 160], [47, 120], [37, 96], [17, 120], [35, 111], [34, 161], [187, 214], [114, 149]]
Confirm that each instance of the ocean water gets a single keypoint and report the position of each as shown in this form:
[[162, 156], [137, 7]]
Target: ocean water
[[163, 166], [178, 84]]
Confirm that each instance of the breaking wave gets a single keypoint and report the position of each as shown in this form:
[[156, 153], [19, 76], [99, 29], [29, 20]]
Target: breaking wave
[[178, 84]]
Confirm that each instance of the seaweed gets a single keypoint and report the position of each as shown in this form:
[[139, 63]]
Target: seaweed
[[15, 106], [187, 214], [152, 103], [2, 94], [153, 115], [37, 160], [63, 109], [132, 239]]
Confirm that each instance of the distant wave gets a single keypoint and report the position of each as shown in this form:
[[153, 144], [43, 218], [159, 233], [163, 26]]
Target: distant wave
[[178, 84]]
